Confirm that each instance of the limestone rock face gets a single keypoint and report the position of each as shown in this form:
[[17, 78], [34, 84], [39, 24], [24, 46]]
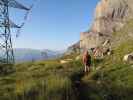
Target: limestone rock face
[[110, 16], [91, 39]]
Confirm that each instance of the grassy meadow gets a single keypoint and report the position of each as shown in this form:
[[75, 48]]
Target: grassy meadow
[[110, 78]]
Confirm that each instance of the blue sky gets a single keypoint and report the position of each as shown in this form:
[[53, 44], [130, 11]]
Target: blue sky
[[53, 24]]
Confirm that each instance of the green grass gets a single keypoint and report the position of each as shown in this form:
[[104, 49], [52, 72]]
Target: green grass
[[58, 88], [41, 80]]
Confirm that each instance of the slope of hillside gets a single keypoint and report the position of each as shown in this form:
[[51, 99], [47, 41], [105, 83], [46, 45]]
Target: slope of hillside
[[113, 79], [41, 80]]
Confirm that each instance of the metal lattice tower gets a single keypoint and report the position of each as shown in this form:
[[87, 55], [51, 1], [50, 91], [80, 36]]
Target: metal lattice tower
[[6, 48]]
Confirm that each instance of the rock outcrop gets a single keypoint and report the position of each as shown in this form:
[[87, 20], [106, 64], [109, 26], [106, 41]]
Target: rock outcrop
[[91, 39], [128, 58], [75, 48], [110, 16]]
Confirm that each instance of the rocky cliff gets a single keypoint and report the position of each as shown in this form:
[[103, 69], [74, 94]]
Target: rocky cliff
[[110, 16], [75, 48]]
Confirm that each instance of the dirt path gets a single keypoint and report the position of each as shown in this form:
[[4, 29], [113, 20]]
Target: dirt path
[[79, 86]]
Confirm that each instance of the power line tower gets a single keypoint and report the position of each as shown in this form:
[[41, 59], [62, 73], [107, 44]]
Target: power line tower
[[6, 48]]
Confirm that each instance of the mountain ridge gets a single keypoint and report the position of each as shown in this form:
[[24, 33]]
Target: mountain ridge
[[28, 54]]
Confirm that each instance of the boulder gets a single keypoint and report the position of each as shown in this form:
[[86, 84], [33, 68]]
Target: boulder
[[128, 58]]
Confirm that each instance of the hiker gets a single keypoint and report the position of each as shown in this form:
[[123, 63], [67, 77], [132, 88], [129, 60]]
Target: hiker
[[86, 61]]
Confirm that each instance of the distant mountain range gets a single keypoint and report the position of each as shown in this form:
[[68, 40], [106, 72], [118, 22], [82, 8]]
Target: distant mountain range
[[24, 54]]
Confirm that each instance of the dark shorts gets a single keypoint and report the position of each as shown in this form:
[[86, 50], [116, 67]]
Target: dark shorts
[[88, 63]]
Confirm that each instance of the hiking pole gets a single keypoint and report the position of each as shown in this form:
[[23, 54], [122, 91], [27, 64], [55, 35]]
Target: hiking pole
[[93, 63]]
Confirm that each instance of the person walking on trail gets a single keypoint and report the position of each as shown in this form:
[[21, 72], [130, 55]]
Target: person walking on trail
[[86, 61]]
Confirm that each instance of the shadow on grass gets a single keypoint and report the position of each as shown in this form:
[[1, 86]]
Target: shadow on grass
[[106, 91], [6, 69]]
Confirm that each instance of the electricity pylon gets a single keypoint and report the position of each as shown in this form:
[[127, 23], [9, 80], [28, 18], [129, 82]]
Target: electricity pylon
[[6, 48]]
